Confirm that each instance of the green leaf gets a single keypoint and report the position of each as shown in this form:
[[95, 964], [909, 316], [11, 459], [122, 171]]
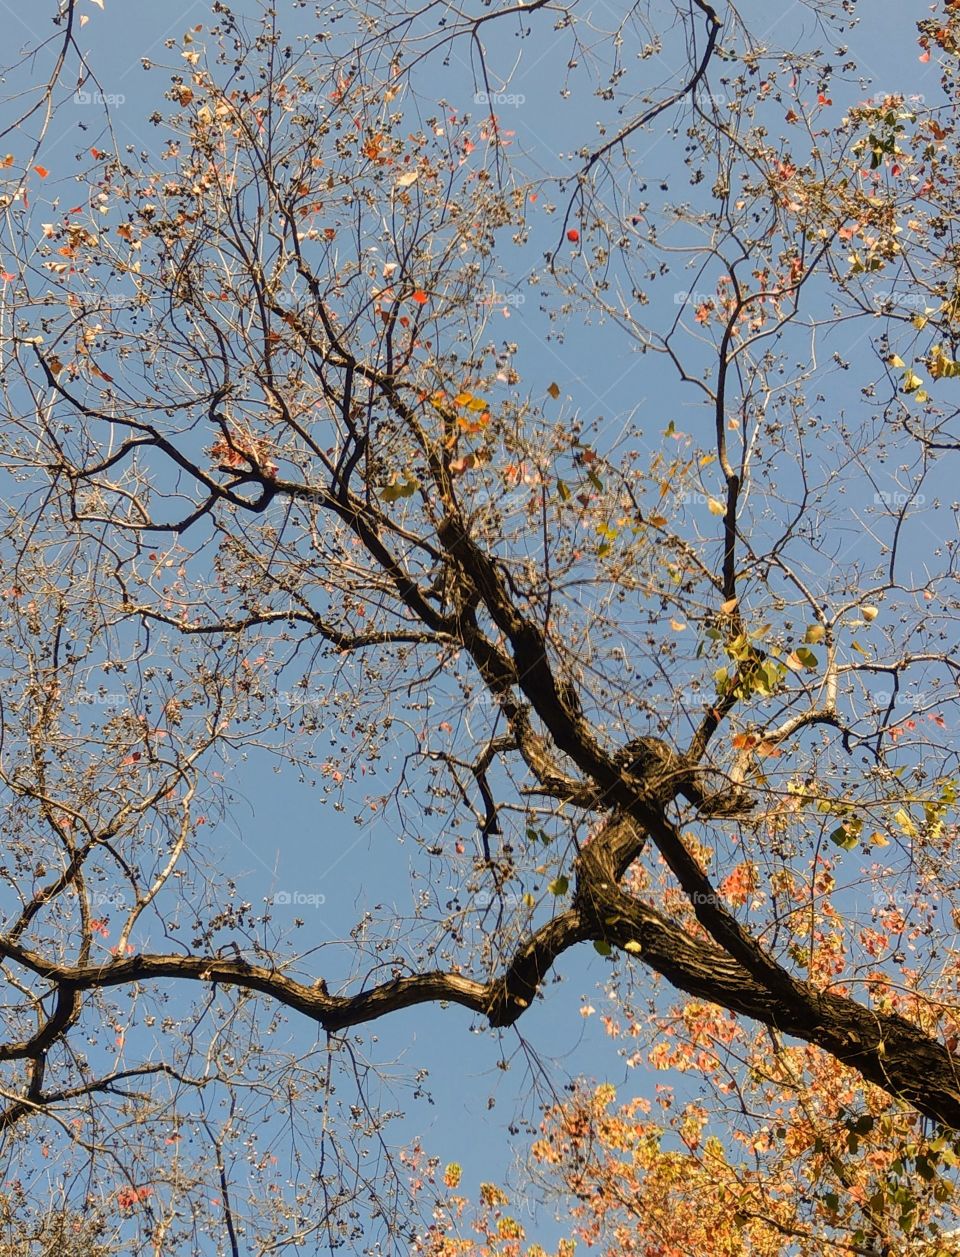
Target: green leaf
[[401, 489], [559, 886], [602, 948], [925, 1169], [844, 838]]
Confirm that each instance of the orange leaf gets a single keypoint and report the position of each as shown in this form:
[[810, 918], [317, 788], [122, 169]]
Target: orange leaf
[[420, 297], [42, 171]]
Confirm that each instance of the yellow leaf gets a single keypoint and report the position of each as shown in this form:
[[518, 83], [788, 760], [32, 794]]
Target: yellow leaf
[[815, 633], [895, 361], [905, 821], [406, 180], [677, 625], [716, 508], [728, 607], [633, 947]]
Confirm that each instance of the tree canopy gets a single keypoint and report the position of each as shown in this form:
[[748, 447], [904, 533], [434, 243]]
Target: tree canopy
[[289, 477]]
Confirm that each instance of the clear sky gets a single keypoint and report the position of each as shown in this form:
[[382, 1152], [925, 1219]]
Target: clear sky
[[280, 836]]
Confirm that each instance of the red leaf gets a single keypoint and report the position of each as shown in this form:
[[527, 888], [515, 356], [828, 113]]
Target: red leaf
[[420, 297], [573, 235]]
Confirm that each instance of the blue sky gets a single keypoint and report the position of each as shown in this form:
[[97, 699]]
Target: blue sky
[[279, 836]]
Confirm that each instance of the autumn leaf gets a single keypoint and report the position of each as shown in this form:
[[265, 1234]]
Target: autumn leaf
[[912, 382]]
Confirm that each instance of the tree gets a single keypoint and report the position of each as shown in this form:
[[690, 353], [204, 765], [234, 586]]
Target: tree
[[277, 481]]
